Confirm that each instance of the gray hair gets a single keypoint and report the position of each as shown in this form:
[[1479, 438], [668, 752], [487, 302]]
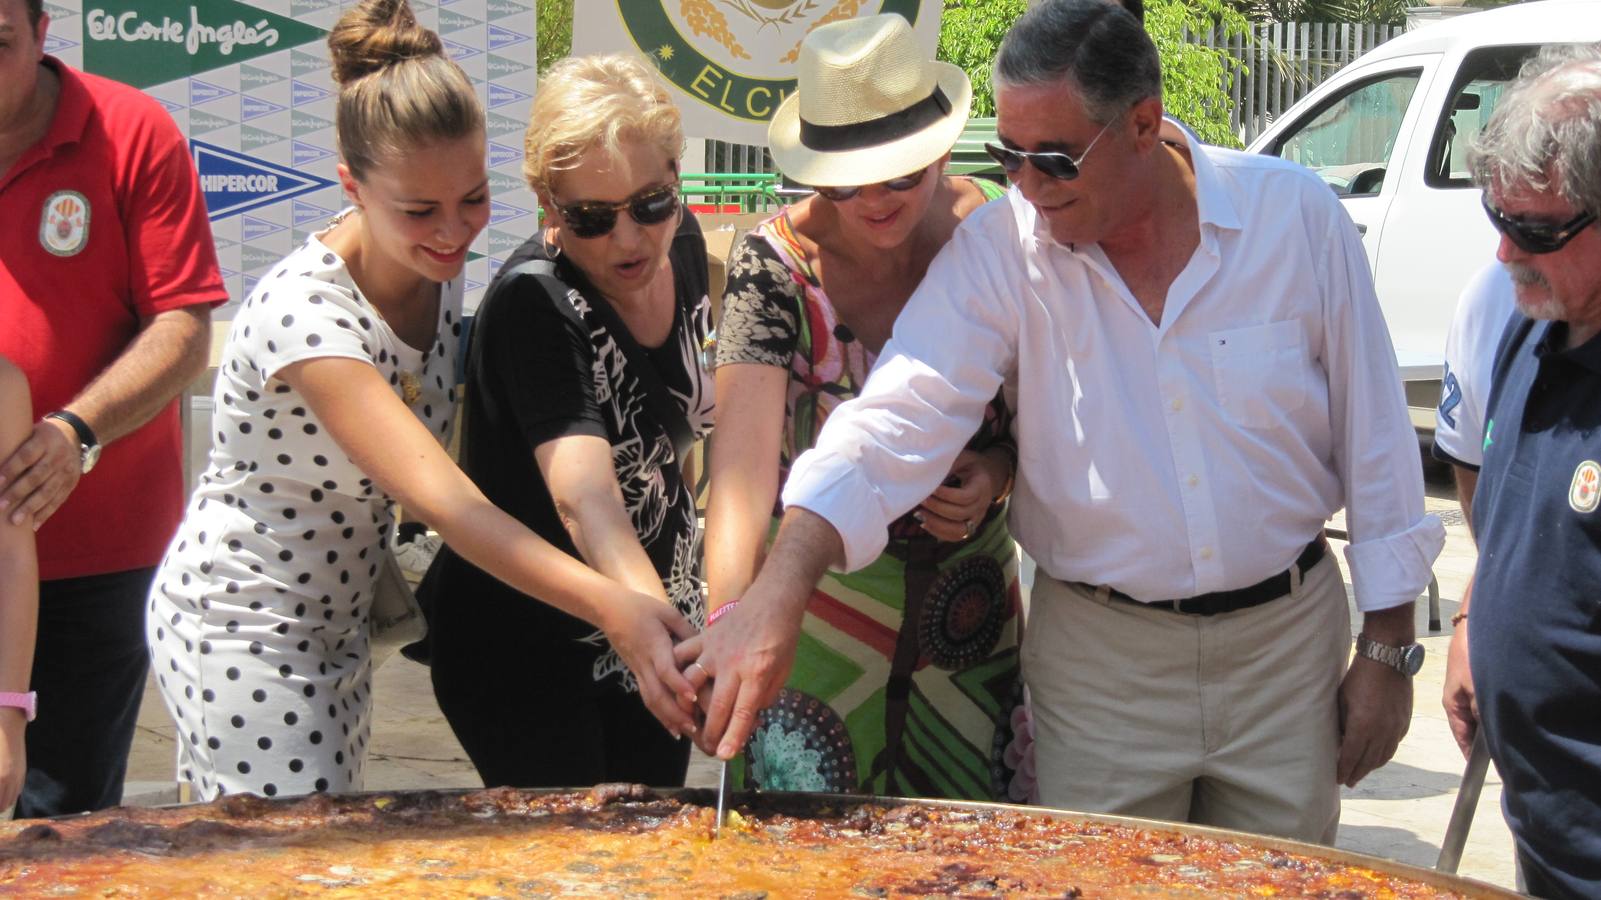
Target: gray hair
[[1098, 48], [1546, 132]]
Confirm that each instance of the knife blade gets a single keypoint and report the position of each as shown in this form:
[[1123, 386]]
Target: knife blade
[[724, 789]]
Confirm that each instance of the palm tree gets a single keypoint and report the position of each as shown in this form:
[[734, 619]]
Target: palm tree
[[1380, 12]]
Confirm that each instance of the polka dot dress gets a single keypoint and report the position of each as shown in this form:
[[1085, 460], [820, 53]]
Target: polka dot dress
[[258, 615]]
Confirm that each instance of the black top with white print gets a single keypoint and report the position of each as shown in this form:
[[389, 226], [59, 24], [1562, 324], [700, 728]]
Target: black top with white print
[[536, 374]]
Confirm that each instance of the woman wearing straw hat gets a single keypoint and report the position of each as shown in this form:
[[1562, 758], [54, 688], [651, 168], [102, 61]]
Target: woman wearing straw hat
[[907, 671]]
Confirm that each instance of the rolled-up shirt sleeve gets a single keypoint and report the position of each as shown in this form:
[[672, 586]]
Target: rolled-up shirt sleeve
[[885, 451], [1393, 542]]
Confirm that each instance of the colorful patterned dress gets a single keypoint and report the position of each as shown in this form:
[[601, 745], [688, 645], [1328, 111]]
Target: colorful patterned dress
[[906, 674]]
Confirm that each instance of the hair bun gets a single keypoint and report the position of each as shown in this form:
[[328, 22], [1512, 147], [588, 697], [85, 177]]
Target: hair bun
[[377, 34]]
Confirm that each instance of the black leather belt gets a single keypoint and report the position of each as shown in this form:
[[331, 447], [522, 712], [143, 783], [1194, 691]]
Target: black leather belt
[[1270, 588]]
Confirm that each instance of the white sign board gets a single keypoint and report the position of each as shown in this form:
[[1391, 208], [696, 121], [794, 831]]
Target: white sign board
[[731, 62], [249, 84]]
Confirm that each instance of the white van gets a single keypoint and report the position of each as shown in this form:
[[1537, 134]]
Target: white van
[[1389, 133]]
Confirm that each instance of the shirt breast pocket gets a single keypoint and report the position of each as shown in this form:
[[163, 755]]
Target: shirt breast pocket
[[1259, 372]]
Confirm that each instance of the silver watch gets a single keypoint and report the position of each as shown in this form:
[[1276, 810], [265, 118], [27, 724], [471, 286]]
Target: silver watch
[[88, 444], [1406, 660]]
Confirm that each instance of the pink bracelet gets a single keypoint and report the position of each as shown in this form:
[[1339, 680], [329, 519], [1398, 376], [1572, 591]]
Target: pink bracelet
[[719, 612]]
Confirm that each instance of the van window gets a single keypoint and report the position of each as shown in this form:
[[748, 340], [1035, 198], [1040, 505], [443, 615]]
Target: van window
[[1477, 88], [1349, 138]]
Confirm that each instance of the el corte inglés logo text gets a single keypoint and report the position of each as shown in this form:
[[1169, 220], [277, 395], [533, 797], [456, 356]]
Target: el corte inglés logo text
[[193, 35], [148, 42]]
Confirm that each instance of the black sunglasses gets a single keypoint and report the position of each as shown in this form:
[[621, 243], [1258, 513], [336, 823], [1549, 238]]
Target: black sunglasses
[[596, 218], [1057, 165], [1537, 237], [903, 183]]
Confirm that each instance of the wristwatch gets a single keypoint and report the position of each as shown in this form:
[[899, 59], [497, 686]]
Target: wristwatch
[[28, 703], [88, 444], [1406, 660]]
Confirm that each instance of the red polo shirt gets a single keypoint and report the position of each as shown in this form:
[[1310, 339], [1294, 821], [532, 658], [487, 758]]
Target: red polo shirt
[[105, 227]]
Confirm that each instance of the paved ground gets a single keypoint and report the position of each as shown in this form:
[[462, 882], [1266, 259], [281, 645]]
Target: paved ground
[[1399, 812]]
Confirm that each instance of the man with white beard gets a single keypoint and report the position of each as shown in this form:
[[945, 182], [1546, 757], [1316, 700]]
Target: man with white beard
[[1533, 675]]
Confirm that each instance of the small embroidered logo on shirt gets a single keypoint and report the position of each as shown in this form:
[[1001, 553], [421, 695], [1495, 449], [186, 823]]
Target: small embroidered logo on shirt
[[1584, 495], [64, 226]]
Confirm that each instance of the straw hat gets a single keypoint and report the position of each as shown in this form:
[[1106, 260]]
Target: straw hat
[[868, 106]]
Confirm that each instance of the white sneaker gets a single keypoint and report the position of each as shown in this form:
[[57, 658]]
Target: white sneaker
[[417, 554]]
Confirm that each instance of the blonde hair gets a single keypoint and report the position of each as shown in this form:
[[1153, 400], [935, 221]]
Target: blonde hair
[[589, 102], [397, 89]]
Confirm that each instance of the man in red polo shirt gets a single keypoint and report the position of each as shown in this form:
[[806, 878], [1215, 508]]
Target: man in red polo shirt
[[106, 286]]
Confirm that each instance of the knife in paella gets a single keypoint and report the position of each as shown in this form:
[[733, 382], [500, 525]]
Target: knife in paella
[[724, 789]]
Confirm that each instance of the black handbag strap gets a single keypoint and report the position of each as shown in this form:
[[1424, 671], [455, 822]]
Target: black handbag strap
[[659, 401]]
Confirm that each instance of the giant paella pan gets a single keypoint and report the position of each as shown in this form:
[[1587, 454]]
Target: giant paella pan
[[629, 841]]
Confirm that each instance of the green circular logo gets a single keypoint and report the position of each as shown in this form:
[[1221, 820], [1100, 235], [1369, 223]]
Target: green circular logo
[[728, 54]]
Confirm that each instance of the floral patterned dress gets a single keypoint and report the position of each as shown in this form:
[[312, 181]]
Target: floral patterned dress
[[906, 675]]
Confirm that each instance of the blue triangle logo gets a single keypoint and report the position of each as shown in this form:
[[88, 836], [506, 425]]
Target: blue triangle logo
[[303, 212], [504, 212], [171, 107], [205, 92], [301, 92], [501, 154], [500, 95], [53, 45], [233, 183], [302, 154], [255, 107], [501, 38], [253, 229], [459, 52]]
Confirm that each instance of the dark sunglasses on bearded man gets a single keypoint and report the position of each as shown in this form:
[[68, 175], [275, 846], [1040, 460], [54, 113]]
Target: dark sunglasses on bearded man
[[1537, 237], [597, 218]]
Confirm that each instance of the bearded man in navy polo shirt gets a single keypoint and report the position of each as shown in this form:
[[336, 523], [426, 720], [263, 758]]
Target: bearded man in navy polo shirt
[[1528, 666]]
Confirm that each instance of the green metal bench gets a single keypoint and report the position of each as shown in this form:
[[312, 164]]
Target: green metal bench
[[746, 191]]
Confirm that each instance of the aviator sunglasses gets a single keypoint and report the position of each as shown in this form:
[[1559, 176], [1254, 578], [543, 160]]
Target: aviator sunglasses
[[1537, 237], [903, 183], [1057, 165], [597, 218]]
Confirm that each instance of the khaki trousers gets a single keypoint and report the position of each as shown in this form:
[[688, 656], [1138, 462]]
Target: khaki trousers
[[1228, 720]]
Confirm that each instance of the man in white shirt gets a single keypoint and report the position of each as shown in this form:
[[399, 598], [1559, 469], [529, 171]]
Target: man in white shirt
[[1481, 317], [1201, 376]]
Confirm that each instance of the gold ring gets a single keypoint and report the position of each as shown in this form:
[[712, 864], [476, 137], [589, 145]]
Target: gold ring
[[968, 524], [696, 665]]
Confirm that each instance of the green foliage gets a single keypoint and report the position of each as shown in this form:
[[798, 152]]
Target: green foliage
[[969, 34], [1370, 12], [1193, 76], [555, 34], [1367, 12]]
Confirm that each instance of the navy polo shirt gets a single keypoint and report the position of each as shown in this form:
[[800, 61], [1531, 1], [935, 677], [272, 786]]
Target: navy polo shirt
[[1535, 631]]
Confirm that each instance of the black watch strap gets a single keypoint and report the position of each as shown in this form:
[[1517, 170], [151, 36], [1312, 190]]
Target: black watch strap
[[86, 435]]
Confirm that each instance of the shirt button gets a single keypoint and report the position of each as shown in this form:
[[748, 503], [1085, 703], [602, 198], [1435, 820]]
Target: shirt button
[[1177, 404], [1194, 480], [1206, 552]]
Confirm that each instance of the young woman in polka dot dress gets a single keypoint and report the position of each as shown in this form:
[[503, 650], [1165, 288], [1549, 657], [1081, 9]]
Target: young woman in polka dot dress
[[333, 397]]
